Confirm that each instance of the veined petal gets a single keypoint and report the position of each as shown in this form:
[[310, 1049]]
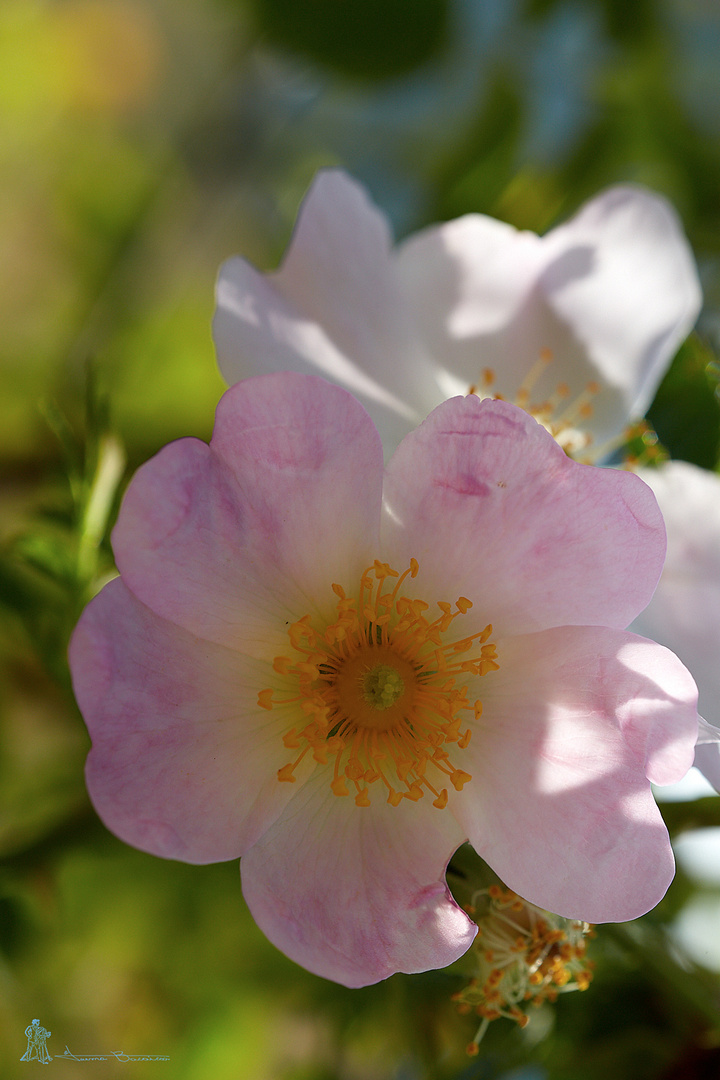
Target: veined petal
[[184, 762], [355, 894], [232, 540], [490, 506], [574, 723], [333, 308]]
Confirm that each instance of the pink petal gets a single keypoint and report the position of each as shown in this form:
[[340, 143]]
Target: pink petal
[[684, 613], [611, 294], [184, 762], [659, 714], [493, 510], [574, 722], [235, 540], [333, 308], [357, 894]]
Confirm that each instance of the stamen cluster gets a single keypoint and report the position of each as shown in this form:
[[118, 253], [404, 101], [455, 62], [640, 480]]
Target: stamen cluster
[[524, 956], [638, 443], [381, 691], [564, 424]]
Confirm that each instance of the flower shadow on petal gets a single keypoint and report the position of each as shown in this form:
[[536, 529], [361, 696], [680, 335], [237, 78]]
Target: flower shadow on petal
[[560, 804]]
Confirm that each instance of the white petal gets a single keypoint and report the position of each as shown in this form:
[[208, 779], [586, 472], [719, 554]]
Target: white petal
[[624, 279], [467, 283], [684, 613], [333, 308], [610, 294]]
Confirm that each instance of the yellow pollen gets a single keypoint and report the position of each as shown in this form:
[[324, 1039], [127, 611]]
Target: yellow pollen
[[380, 692], [524, 956]]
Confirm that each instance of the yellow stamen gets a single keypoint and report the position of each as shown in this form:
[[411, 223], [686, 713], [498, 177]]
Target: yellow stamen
[[381, 691], [523, 956], [565, 426]]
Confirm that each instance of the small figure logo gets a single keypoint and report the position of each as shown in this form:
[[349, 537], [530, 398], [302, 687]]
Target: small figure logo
[[36, 1048]]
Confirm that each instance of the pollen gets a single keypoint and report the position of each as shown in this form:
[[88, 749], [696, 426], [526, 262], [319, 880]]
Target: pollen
[[524, 956], [382, 691]]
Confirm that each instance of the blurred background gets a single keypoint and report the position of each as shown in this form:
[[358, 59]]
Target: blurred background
[[141, 143]]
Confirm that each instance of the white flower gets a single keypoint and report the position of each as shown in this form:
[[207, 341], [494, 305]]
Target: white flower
[[578, 325]]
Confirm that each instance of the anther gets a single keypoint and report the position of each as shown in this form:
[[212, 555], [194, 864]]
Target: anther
[[383, 694]]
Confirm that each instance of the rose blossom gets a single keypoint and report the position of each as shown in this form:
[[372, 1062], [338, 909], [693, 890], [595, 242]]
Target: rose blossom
[[341, 675], [577, 326]]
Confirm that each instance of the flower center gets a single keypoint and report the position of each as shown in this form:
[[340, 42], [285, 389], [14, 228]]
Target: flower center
[[381, 691], [382, 686]]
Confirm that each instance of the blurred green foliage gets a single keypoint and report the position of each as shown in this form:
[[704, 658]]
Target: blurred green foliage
[[365, 39], [686, 409], [141, 142]]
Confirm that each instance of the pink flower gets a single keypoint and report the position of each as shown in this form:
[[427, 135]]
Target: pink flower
[[297, 666], [684, 613], [577, 326]]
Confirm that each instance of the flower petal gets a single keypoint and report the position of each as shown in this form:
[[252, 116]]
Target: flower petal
[[490, 506], [708, 734], [684, 613], [610, 294], [184, 762], [707, 753], [466, 283], [333, 308], [230, 540], [638, 295], [575, 723], [356, 894]]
